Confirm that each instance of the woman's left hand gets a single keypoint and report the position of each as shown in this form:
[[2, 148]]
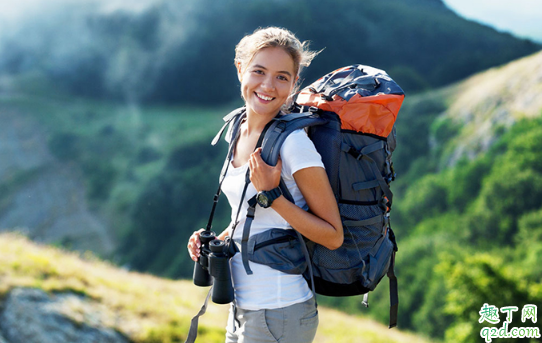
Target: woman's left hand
[[263, 176]]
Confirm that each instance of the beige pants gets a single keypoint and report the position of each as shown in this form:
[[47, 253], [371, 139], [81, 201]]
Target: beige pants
[[292, 324]]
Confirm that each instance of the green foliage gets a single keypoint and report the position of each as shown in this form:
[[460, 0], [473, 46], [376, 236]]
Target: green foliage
[[528, 242], [475, 280], [443, 129], [465, 181], [100, 176], [93, 156], [173, 204], [63, 145], [425, 198], [508, 192]]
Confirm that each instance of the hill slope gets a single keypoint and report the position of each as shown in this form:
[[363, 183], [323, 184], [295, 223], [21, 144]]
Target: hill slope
[[124, 305], [488, 104]]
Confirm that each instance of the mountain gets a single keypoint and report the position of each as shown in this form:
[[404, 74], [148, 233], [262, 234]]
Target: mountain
[[51, 296], [182, 52], [485, 106], [466, 118], [42, 195]]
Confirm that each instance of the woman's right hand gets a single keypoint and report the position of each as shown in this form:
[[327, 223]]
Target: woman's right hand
[[194, 245]]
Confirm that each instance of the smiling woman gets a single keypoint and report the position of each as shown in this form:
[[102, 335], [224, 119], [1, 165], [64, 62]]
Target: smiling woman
[[271, 305], [267, 81]]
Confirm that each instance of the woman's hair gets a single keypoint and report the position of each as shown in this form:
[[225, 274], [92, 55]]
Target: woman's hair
[[272, 37]]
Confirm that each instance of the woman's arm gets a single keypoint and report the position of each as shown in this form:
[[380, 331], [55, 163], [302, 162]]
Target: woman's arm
[[323, 223]]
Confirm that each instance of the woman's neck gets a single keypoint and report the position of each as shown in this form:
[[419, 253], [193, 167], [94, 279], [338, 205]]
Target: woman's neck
[[255, 122]]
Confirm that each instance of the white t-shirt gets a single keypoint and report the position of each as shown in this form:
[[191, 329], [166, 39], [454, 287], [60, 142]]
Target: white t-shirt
[[268, 288]]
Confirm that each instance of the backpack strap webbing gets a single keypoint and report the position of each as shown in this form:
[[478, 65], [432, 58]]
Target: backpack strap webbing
[[228, 119], [394, 295], [235, 118]]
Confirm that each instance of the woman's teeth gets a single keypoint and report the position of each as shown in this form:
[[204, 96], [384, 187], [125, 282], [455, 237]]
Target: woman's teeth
[[263, 97]]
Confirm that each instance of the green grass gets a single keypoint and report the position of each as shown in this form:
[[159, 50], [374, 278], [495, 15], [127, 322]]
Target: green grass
[[146, 308]]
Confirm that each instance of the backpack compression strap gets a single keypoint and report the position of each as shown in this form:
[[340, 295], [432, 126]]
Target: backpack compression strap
[[394, 296], [364, 154]]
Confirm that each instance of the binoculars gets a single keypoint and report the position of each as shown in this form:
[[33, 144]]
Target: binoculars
[[213, 267]]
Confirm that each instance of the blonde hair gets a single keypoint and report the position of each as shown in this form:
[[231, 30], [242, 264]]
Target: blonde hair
[[272, 37]]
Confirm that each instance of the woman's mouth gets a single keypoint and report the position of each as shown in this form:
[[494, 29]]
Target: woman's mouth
[[264, 97]]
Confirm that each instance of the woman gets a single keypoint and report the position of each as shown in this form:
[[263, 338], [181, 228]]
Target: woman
[[272, 306]]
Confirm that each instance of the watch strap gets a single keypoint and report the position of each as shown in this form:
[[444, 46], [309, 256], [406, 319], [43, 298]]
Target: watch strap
[[273, 194]]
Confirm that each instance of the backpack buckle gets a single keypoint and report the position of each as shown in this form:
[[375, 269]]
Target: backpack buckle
[[326, 97]]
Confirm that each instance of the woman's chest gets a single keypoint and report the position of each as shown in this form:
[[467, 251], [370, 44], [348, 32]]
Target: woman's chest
[[245, 146]]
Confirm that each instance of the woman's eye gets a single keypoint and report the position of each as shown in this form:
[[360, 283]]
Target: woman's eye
[[283, 78], [258, 71]]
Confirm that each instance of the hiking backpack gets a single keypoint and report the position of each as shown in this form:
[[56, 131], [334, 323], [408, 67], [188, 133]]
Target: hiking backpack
[[349, 115]]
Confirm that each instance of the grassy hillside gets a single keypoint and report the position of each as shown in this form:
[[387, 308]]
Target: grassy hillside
[[143, 307]]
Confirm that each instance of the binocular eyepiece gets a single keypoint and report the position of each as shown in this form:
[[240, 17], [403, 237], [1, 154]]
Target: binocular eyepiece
[[213, 266]]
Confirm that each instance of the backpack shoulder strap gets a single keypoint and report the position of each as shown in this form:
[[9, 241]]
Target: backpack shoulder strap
[[229, 118], [282, 127]]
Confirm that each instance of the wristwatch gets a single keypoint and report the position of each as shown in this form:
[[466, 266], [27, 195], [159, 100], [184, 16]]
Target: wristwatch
[[266, 198]]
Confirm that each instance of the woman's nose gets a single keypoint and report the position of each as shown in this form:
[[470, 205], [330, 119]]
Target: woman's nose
[[268, 84]]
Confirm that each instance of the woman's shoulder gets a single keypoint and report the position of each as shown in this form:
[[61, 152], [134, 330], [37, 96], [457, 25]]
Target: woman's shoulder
[[298, 139], [299, 152]]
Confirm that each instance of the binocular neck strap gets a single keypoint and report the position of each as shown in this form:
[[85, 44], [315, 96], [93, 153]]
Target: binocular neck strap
[[193, 331], [235, 136]]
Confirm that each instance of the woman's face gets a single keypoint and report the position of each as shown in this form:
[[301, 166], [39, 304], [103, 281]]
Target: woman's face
[[267, 81]]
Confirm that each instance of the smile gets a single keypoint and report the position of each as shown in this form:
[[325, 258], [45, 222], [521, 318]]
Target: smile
[[263, 97]]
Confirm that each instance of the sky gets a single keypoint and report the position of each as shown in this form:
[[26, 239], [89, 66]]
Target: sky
[[522, 18]]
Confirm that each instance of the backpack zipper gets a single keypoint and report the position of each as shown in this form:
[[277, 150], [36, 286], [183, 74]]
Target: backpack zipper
[[282, 239]]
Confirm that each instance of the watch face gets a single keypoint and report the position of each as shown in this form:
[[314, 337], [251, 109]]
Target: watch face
[[262, 200]]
